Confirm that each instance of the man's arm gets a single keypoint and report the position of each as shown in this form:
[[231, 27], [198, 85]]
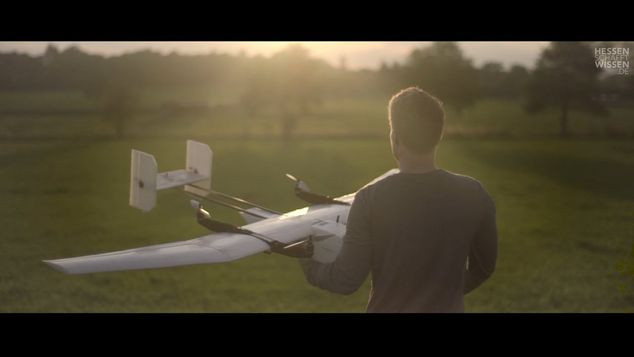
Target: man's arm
[[348, 272], [484, 249]]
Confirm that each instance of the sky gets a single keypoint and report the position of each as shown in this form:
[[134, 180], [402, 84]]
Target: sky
[[357, 55]]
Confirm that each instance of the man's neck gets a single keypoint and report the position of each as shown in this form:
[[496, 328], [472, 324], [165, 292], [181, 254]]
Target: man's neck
[[418, 164]]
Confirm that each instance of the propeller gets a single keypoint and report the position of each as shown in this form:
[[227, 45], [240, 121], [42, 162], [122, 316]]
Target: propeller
[[195, 204], [201, 213], [299, 184], [303, 191]]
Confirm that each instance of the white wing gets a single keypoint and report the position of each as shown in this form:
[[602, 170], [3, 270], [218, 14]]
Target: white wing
[[213, 248]]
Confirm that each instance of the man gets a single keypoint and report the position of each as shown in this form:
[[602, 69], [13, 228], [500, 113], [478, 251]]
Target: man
[[427, 235]]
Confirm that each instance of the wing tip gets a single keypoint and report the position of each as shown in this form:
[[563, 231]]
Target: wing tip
[[53, 264]]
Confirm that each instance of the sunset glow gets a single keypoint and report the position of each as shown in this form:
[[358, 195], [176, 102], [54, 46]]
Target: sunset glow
[[357, 54]]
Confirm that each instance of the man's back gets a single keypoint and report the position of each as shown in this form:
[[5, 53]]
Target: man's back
[[414, 232], [428, 236], [422, 227]]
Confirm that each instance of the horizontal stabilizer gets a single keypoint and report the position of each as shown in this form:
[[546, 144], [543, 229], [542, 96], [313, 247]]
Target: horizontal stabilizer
[[145, 179], [177, 178]]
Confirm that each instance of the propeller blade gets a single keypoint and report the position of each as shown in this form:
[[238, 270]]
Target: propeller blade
[[195, 204]]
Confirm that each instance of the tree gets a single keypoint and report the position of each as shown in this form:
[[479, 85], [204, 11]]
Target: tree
[[565, 77], [391, 77], [297, 82], [256, 96], [120, 103], [120, 107], [442, 70], [515, 82], [72, 68], [492, 78], [495, 82], [618, 88], [290, 82]]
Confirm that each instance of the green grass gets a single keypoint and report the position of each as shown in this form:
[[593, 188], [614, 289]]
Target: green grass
[[565, 214], [509, 119]]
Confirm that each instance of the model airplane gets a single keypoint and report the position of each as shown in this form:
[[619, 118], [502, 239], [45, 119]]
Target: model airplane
[[315, 231]]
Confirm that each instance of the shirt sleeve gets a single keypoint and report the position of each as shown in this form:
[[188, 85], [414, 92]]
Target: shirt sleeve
[[351, 267], [484, 249]]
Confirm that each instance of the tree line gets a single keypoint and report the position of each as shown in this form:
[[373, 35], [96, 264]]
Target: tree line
[[292, 83]]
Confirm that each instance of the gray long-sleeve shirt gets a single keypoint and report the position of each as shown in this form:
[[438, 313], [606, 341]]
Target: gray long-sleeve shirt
[[427, 239]]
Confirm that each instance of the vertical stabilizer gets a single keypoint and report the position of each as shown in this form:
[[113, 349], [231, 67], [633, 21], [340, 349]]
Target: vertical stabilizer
[[199, 159], [143, 173]]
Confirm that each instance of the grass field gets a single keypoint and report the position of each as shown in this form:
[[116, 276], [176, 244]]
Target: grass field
[[565, 217]]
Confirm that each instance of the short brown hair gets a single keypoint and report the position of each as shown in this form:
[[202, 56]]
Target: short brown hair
[[417, 118]]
